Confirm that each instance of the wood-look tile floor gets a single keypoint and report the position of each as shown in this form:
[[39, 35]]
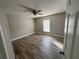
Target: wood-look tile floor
[[36, 47]]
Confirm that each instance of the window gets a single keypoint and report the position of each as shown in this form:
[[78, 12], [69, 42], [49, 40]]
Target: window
[[46, 25]]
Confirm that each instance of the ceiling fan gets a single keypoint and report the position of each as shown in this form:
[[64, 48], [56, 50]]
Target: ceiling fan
[[34, 11]]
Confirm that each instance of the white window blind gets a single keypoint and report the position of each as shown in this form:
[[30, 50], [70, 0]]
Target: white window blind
[[46, 25]]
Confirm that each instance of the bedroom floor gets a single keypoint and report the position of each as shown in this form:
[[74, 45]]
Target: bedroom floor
[[37, 47]]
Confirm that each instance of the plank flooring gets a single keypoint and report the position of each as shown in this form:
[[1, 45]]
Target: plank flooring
[[36, 47]]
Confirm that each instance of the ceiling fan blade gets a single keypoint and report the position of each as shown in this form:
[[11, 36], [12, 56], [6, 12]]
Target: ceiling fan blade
[[35, 12], [25, 11], [26, 7], [40, 13], [39, 10]]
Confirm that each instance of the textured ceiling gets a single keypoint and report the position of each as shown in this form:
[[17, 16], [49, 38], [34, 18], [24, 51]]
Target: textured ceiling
[[48, 7]]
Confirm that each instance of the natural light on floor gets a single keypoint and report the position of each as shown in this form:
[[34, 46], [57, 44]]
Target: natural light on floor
[[58, 44]]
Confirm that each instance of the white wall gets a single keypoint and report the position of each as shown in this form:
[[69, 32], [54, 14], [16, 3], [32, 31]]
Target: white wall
[[20, 25], [56, 24]]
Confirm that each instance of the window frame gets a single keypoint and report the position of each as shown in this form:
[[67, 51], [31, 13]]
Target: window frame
[[47, 26]]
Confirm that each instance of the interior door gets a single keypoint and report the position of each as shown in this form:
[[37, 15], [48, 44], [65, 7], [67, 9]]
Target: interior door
[[75, 45], [72, 36], [66, 30], [0, 55], [2, 49]]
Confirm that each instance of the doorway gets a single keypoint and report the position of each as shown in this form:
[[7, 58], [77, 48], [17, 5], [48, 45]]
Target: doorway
[[2, 48]]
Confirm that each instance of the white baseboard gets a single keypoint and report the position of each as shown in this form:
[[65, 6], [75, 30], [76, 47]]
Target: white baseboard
[[21, 37], [58, 36], [50, 34], [36, 33]]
